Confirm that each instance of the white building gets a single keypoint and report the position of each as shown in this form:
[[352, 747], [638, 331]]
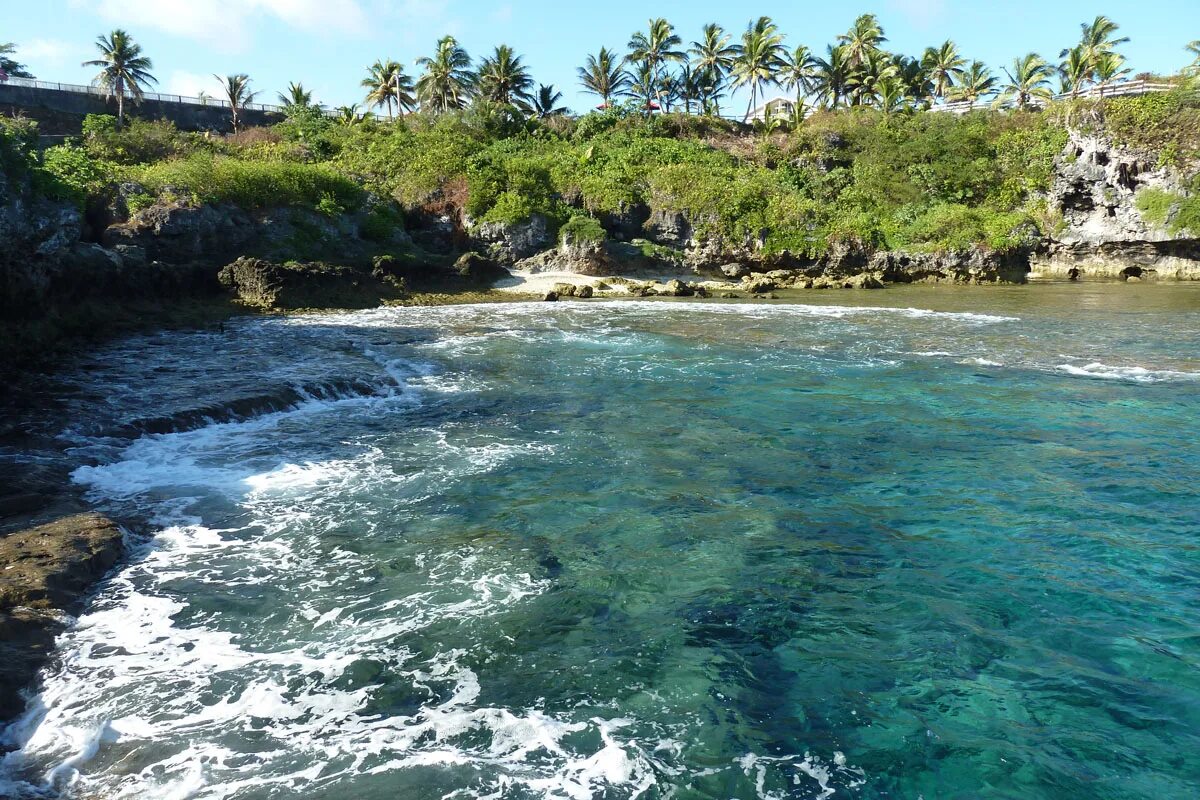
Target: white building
[[777, 107]]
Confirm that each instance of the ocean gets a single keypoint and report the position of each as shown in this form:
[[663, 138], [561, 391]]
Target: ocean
[[927, 542]]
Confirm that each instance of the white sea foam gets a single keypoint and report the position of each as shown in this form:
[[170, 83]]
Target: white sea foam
[[1135, 374]]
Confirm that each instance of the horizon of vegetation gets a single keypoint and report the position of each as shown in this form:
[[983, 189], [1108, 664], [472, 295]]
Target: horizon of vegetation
[[851, 174], [660, 72]]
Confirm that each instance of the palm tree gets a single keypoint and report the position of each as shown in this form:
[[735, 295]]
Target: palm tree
[[914, 78], [833, 76], [1193, 48], [388, 85], [546, 102], [875, 67], [863, 37], [1096, 38], [348, 115], [891, 94], [296, 97], [712, 58], [8, 66], [1075, 71], [447, 81], [1029, 79], [503, 78], [644, 87], [1110, 68], [655, 48], [237, 92], [976, 83], [800, 73], [760, 59], [123, 69], [603, 75], [944, 65]]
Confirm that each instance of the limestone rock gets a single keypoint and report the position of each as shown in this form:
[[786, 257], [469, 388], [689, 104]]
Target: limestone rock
[[478, 268], [48, 570], [508, 243], [268, 284]]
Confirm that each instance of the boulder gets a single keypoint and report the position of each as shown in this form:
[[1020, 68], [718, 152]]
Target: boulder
[[735, 271], [975, 265], [179, 232], [550, 296], [479, 269], [676, 288], [758, 284]]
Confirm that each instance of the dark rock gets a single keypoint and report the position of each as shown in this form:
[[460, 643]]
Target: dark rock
[[479, 269], [48, 571], [670, 228], [626, 223], [969, 266], [550, 297], [267, 284], [676, 288]]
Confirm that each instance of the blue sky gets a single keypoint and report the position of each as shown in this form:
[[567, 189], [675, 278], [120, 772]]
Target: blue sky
[[327, 44]]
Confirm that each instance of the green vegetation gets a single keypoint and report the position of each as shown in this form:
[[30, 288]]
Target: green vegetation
[[124, 71], [859, 157], [1176, 212], [582, 230], [251, 184]]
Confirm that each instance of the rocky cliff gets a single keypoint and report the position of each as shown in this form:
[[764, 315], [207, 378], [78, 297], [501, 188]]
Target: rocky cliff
[[1101, 190]]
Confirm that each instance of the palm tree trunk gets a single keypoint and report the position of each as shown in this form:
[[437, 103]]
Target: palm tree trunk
[[120, 103]]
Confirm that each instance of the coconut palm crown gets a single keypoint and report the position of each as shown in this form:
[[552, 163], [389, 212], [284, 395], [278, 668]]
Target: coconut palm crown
[[124, 71], [603, 76], [448, 81]]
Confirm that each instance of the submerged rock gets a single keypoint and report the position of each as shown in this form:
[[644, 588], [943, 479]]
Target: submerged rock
[[47, 572]]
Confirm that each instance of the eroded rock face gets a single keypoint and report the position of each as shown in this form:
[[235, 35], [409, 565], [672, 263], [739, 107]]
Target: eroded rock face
[[48, 571], [267, 284], [1095, 187], [182, 232], [968, 266], [508, 243], [584, 258]]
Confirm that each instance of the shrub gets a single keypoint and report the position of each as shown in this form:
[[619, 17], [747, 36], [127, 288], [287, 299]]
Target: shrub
[[139, 142], [1175, 212], [382, 223], [249, 184], [582, 230], [70, 173]]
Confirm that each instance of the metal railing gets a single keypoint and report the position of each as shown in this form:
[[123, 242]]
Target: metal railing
[[1123, 89], [206, 102]]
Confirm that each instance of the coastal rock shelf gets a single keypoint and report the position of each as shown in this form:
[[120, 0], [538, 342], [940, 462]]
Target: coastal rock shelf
[[46, 573]]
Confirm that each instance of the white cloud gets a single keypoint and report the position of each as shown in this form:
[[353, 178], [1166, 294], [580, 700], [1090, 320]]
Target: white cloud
[[49, 51], [227, 24], [922, 13], [189, 84]]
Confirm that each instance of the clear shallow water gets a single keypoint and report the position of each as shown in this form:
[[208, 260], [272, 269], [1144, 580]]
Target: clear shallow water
[[948, 548]]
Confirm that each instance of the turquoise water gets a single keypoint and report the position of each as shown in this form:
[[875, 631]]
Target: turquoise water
[[943, 546]]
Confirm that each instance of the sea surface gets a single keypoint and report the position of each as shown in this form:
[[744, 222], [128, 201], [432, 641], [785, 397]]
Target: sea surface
[[919, 543]]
